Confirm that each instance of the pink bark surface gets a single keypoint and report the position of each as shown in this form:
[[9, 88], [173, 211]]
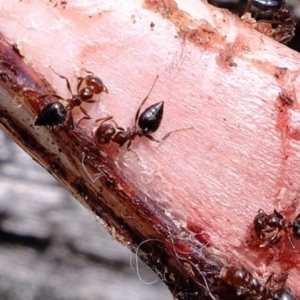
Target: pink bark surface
[[217, 76]]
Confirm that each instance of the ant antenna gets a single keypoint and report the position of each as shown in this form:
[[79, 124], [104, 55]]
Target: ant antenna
[[138, 111], [65, 78], [173, 131]]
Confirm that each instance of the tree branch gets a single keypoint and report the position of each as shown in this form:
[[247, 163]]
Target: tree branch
[[187, 204]]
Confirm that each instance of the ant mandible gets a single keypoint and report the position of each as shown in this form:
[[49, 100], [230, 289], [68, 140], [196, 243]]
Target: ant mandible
[[148, 121], [269, 226], [55, 113]]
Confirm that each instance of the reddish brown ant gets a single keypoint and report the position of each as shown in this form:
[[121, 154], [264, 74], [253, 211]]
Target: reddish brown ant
[[247, 284], [243, 280], [55, 113], [268, 227], [283, 21], [148, 121]]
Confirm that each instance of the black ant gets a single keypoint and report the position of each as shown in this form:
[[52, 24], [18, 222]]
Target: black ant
[[148, 121], [55, 113], [268, 227], [283, 21]]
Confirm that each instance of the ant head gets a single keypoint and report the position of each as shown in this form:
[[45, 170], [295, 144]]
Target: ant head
[[235, 276], [104, 133], [260, 222], [52, 114], [150, 119], [95, 84]]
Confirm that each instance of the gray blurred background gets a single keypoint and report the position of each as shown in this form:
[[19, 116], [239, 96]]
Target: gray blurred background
[[53, 248]]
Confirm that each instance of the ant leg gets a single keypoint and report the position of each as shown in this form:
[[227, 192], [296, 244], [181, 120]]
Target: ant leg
[[70, 120], [129, 149], [274, 239], [151, 138], [134, 153], [79, 83], [139, 109], [269, 280], [268, 230], [52, 95], [286, 39], [92, 101], [118, 127], [254, 237], [66, 79], [128, 146], [104, 119], [85, 112], [89, 72], [86, 117], [248, 6], [173, 131], [105, 89]]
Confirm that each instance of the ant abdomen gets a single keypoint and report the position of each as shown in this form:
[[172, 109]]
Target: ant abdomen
[[150, 119], [96, 84], [267, 5], [284, 295], [51, 115]]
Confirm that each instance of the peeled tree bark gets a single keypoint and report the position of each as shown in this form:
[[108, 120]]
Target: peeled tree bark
[[187, 204]]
